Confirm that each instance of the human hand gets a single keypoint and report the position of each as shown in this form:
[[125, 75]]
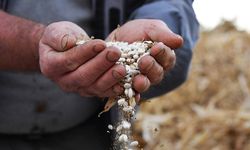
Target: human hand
[[161, 58], [88, 69]]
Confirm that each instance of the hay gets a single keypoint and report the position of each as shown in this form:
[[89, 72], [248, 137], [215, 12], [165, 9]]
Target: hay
[[211, 111]]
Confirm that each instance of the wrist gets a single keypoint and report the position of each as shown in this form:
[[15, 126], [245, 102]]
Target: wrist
[[35, 37]]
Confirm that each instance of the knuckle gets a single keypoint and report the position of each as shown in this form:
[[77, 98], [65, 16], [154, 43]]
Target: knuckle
[[154, 24], [167, 66], [69, 64], [101, 68], [156, 81], [58, 61], [53, 35], [105, 66], [161, 76], [172, 56], [82, 80], [158, 75], [151, 27], [167, 48], [99, 88], [172, 60], [159, 70], [159, 22], [63, 62], [170, 63]]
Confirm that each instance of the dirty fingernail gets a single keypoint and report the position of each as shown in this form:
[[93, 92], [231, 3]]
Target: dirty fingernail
[[146, 84], [112, 56], [117, 75], [99, 47], [161, 50], [64, 41]]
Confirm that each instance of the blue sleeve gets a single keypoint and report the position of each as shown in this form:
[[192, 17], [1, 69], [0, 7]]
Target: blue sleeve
[[180, 18]]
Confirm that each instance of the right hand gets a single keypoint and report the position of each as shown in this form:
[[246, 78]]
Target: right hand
[[161, 59], [87, 69]]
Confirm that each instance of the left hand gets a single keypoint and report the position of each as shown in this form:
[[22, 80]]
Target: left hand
[[88, 69], [161, 59]]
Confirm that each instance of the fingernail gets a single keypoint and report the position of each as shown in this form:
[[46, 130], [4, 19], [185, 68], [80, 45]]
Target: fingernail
[[161, 50], [146, 84], [181, 39], [117, 75], [112, 56], [99, 47], [64, 42]]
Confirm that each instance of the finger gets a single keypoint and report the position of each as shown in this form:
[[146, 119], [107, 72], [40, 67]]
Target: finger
[[113, 91], [124, 32], [63, 35], [149, 67], [88, 73], [158, 31], [113, 36], [141, 83], [163, 55], [79, 55], [60, 63], [110, 78]]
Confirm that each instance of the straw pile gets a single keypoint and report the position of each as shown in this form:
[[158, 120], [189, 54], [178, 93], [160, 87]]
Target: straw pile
[[211, 111]]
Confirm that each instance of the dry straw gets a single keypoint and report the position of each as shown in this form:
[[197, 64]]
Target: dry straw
[[211, 111]]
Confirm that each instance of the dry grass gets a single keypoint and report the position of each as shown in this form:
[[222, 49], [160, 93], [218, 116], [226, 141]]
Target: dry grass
[[211, 111]]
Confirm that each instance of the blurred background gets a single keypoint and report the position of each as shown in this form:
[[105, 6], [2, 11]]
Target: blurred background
[[211, 12], [211, 111]]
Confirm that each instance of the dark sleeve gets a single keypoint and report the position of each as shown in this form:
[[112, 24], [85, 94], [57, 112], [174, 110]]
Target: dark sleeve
[[180, 18], [3, 4]]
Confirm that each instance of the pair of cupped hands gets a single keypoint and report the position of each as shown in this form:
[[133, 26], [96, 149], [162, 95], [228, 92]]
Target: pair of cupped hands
[[90, 70]]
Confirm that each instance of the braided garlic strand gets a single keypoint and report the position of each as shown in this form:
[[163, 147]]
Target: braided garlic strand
[[130, 56]]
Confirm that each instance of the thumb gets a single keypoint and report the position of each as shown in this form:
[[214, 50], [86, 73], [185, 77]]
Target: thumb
[[62, 36], [162, 33]]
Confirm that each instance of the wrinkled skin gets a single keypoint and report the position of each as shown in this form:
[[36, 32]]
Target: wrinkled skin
[[161, 59], [87, 69], [90, 69]]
